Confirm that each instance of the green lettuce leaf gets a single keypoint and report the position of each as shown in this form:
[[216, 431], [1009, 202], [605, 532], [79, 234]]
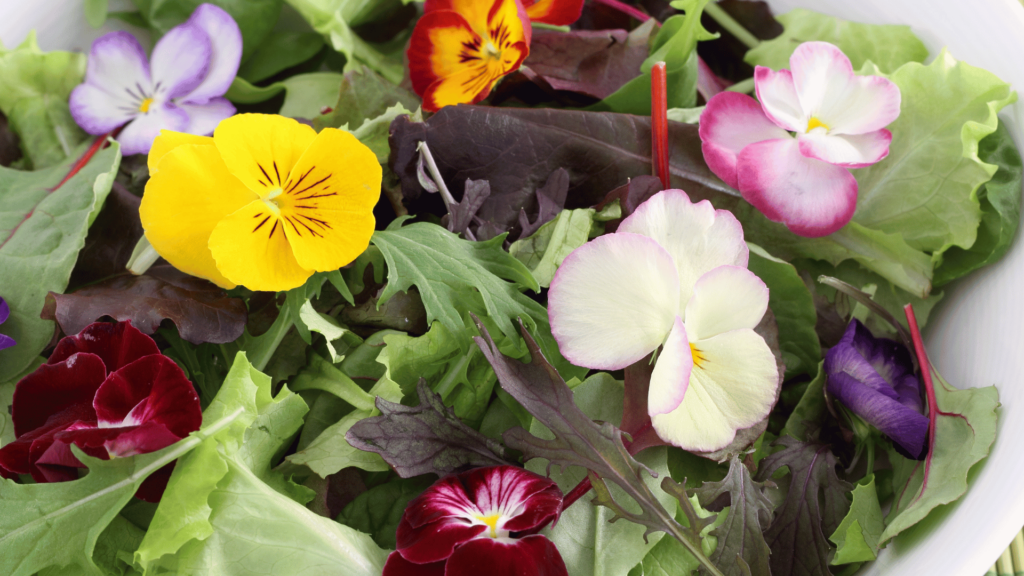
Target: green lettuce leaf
[[543, 251], [34, 91], [365, 95], [280, 51], [378, 511], [888, 46], [255, 18], [305, 94], [809, 410], [858, 533], [42, 229], [96, 12]]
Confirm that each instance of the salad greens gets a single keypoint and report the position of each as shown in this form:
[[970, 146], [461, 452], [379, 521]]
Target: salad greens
[[329, 407]]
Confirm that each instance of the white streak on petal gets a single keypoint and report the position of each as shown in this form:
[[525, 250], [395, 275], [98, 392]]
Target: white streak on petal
[[849, 151], [226, 41], [97, 111], [180, 61], [137, 137], [730, 122], [203, 118], [869, 104], [613, 301], [698, 237], [671, 372], [778, 97], [116, 83], [732, 388], [725, 299], [822, 75]]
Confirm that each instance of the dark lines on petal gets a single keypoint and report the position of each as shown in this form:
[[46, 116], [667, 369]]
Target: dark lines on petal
[[261, 182], [319, 223], [269, 179], [317, 183], [299, 181], [316, 196], [311, 231], [260, 225], [274, 229], [294, 227], [277, 173]]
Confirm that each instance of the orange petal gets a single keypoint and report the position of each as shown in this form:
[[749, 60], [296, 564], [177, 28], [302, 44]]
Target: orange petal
[[472, 85], [437, 46], [554, 12]]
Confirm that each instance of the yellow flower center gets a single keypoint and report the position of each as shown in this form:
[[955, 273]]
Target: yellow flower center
[[492, 51], [144, 107], [272, 203], [814, 122], [698, 356], [491, 521]]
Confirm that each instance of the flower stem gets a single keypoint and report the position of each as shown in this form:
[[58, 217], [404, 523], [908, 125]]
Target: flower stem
[[143, 256], [731, 25], [626, 9], [926, 375], [435, 175], [659, 124]]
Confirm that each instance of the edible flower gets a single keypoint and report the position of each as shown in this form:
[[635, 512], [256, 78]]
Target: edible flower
[[466, 525], [554, 12], [109, 391], [673, 276], [5, 311], [874, 379], [264, 203], [181, 87], [789, 155], [461, 48]]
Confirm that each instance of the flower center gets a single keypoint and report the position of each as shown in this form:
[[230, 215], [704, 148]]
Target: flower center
[[271, 201], [492, 51], [698, 356], [492, 521], [144, 107], [814, 122]]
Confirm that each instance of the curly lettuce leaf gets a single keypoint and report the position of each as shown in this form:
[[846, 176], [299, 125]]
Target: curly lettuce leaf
[[543, 251], [858, 533]]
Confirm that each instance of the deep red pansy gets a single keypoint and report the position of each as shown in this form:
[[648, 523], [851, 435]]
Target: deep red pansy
[[467, 524], [109, 391]]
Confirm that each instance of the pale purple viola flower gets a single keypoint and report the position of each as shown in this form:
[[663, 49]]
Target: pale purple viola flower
[[790, 154], [874, 378], [180, 87], [5, 311]]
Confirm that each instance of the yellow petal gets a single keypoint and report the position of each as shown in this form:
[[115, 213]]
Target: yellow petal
[[251, 249], [327, 204], [190, 194], [169, 140], [260, 149]]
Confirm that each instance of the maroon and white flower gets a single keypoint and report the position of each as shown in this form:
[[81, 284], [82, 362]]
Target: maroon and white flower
[[180, 87], [467, 524], [789, 155], [109, 391]]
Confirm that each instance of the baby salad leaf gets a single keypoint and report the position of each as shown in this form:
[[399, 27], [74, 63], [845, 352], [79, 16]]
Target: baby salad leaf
[[378, 511], [306, 95], [888, 46], [965, 428], [42, 227], [810, 409], [280, 51], [364, 95], [814, 506], [544, 250], [579, 441], [34, 90], [857, 535], [255, 18], [750, 513], [425, 439]]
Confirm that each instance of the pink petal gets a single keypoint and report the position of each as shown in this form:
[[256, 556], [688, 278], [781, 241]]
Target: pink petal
[[203, 118], [137, 137], [435, 541], [848, 151], [725, 299], [152, 389], [526, 499], [779, 100], [730, 122], [811, 197], [148, 437], [226, 43], [398, 566], [180, 61], [116, 344], [534, 555], [55, 395], [671, 372], [116, 82], [612, 301]]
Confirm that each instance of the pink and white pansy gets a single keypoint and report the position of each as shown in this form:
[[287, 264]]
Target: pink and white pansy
[[467, 524], [789, 155], [673, 276], [180, 87]]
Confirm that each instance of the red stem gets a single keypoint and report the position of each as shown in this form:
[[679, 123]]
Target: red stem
[[96, 146], [659, 124], [625, 9], [643, 439], [926, 375]]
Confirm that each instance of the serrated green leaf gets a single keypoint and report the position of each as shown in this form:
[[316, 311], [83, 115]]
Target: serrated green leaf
[[750, 513], [543, 251], [857, 535]]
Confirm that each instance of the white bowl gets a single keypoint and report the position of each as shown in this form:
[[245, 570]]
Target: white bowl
[[973, 335]]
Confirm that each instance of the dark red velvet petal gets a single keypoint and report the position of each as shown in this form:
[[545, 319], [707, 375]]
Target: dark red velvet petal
[[142, 439], [445, 498], [398, 566], [56, 395], [151, 389], [116, 344], [14, 458], [152, 488], [434, 542], [527, 499], [531, 556]]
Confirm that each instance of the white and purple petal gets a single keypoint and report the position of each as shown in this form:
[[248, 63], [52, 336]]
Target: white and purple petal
[[671, 373], [5, 311], [226, 42], [697, 236], [204, 118], [778, 97], [812, 198], [613, 300], [725, 299], [729, 123], [848, 151], [117, 81], [137, 137], [180, 61]]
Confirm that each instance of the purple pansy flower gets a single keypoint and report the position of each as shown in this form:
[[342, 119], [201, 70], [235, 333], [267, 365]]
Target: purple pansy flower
[[180, 88], [5, 311], [874, 378]]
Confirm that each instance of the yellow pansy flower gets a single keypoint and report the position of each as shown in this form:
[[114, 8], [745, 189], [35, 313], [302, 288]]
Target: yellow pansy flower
[[264, 203]]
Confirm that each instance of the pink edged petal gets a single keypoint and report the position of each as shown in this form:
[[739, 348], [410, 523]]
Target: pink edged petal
[[97, 112], [613, 300], [398, 566], [152, 389], [436, 541], [822, 75], [116, 344], [226, 43], [180, 61], [698, 237], [812, 198], [725, 299], [526, 499], [671, 372], [534, 555], [203, 118], [779, 100], [729, 123], [848, 151], [56, 395], [137, 137]]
